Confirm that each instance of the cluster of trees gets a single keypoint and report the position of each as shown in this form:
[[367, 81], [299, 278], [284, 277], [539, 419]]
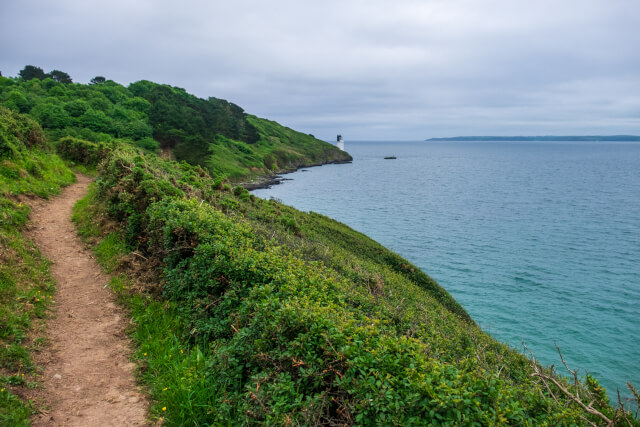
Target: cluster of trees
[[212, 132], [100, 112], [32, 72], [105, 110], [188, 124]]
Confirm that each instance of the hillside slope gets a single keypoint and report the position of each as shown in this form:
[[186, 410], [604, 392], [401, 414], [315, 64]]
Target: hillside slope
[[264, 314], [212, 132], [246, 311]]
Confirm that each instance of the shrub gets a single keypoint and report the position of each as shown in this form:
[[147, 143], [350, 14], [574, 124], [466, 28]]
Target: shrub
[[238, 190], [148, 144], [18, 132], [290, 223], [217, 183], [245, 195], [326, 329], [81, 151], [269, 162]]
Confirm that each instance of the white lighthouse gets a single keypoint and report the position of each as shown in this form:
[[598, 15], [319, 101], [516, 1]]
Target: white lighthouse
[[340, 142]]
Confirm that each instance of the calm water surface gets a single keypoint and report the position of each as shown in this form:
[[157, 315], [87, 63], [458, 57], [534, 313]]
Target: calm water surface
[[539, 241]]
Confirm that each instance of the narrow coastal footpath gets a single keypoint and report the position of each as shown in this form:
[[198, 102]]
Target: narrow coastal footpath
[[88, 378]]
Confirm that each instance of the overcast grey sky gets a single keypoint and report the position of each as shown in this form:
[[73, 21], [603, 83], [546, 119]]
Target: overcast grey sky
[[369, 69]]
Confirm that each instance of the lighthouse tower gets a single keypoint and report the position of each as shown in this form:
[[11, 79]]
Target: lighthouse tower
[[340, 142]]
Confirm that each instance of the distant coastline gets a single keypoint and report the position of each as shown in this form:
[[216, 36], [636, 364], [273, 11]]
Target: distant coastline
[[541, 138]]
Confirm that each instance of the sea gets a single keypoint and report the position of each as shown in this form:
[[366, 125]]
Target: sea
[[539, 241]]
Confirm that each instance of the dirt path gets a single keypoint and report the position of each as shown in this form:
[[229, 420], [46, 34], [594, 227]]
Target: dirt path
[[88, 377]]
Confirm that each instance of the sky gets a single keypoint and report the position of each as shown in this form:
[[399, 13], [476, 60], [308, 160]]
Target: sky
[[367, 69]]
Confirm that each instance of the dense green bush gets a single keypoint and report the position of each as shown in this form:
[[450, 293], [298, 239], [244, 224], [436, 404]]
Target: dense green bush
[[17, 101], [265, 315], [18, 132], [81, 151], [148, 144], [51, 116], [269, 162], [174, 112], [282, 325]]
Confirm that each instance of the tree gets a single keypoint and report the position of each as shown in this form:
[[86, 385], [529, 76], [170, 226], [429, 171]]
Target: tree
[[18, 101], [51, 116], [76, 108], [97, 121], [97, 80], [60, 76], [30, 72]]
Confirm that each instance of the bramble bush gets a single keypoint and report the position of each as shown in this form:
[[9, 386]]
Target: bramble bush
[[265, 315], [286, 327], [81, 151]]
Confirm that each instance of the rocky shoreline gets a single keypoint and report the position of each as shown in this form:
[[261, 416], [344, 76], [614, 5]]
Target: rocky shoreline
[[267, 181]]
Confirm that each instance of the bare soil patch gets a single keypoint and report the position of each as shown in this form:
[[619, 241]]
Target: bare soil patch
[[88, 377]]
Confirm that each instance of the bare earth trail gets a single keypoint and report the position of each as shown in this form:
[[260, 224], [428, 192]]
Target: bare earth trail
[[88, 378]]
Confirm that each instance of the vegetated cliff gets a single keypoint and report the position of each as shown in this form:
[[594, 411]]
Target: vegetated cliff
[[213, 133], [248, 311], [265, 314]]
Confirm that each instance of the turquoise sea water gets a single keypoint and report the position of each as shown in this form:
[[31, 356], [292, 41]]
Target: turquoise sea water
[[539, 241]]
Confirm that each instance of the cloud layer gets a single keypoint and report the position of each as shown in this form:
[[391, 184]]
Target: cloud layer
[[403, 69]]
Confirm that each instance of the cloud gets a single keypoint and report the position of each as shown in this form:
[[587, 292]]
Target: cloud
[[405, 69]]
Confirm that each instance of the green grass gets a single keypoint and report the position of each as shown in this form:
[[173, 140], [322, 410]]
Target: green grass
[[279, 149], [26, 285], [38, 173], [173, 370], [169, 366], [107, 250], [85, 219], [13, 411]]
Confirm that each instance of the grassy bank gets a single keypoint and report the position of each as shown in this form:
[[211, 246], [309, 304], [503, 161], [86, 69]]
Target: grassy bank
[[263, 314], [28, 168]]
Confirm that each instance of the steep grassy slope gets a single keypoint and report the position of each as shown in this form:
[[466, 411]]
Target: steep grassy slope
[[268, 315], [279, 149], [213, 133], [27, 168]]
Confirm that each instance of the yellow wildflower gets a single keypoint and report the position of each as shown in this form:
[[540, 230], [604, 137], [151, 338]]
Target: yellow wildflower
[[164, 408]]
